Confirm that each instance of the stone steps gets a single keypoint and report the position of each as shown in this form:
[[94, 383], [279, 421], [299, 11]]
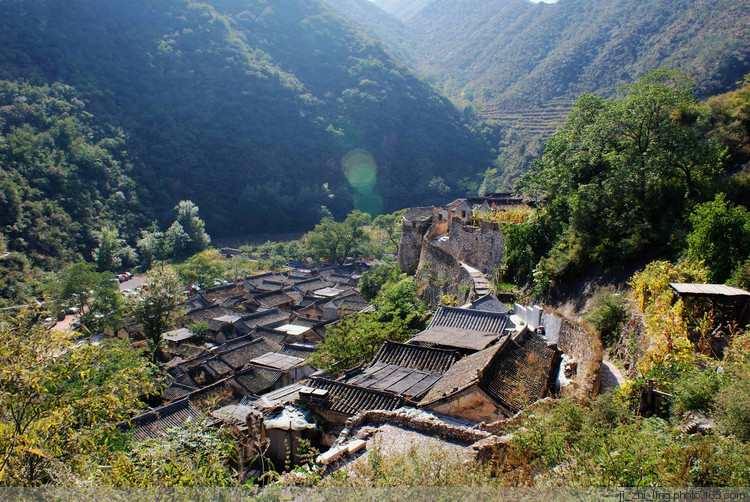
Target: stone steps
[[481, 285]]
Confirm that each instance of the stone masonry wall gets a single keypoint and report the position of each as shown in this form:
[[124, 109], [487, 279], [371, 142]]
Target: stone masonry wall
[[586, 349], [410, 246], [481, 247], [422, 425], [439, 274]]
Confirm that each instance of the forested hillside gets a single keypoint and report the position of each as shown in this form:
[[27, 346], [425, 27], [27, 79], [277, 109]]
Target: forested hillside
[[517, 56], [262, 113]]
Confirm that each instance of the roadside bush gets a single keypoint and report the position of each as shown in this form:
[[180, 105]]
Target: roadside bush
[[733, 404]]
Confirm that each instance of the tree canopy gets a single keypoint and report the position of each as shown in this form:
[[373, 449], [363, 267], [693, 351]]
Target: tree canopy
[[335, 241], [615, 181], [157, 308], [60, 400]]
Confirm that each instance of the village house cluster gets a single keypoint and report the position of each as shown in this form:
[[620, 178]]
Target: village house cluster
[[474, 364], [462, 379]]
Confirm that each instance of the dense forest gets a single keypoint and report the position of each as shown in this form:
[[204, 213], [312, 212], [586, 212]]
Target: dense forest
[[516, 53], [653, 174], [252, 110]]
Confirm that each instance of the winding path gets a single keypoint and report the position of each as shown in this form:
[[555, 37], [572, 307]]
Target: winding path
[[612, 377]]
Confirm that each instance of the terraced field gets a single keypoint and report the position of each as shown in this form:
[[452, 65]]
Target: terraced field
[[541, 120]]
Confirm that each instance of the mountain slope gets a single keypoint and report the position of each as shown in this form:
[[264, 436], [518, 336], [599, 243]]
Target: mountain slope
[[248, 108], [404, 10], [512, 57]]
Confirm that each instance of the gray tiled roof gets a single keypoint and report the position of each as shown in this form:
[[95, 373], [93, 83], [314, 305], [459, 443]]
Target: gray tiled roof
[[489, 303], [242, 355], [278, 361], [462, 328], [272, 299], [416, 357], [407, 382], [312, 284], [461, 375], [271, 334], [265, 318], [475, 320], [258, 379], [176, 390], [156, 423], [297, 350], [350, 400], [206, 313], [518, 376]]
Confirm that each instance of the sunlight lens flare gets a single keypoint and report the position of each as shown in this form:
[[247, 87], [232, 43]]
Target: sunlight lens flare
[[361, 171]]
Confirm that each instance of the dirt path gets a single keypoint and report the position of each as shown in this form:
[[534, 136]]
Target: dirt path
[[612, 377]]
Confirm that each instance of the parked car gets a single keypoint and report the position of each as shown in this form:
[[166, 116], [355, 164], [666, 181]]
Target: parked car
[[71, 310]]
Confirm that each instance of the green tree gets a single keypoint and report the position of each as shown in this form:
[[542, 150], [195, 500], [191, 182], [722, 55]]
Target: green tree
[[153, 246], [355, 339], [60, 402], [616, 178], [337, 240], [202, 268], [107, 253], [94, 294], [158, 307], [398, 301], [390, 225], [374, 279], [192, 456], [720, 237], [193, 237]]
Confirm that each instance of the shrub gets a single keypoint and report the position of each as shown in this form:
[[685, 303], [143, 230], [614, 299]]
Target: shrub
[[695, 391], [733, 404], [606, 316]]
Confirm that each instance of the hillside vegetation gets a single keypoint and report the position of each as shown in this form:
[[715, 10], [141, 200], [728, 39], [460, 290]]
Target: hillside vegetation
[[511, 55], [261, 113]]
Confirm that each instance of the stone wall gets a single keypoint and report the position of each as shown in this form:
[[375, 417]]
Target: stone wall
[[410, 246], [481, 247], [583, 346], [440, 273], [400, 418]]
